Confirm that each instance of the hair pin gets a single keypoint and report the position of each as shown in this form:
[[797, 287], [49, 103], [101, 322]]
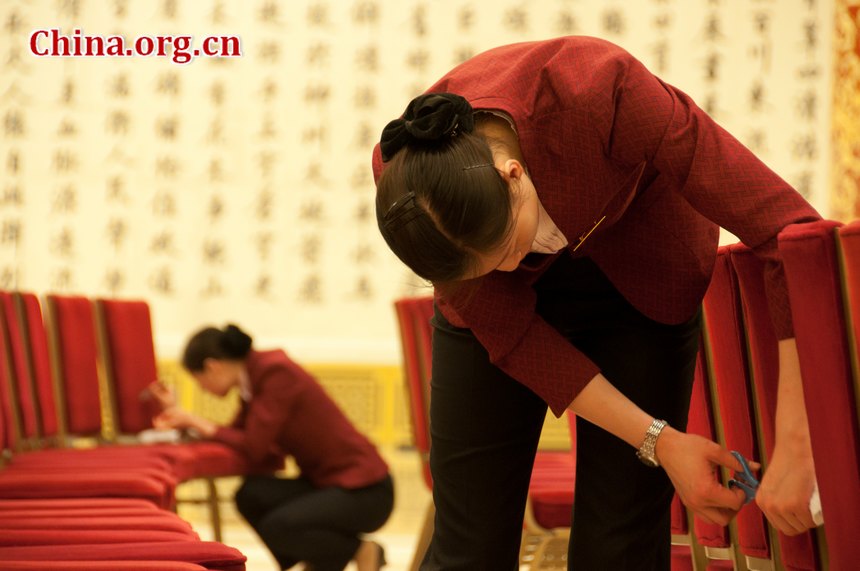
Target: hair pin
[[478, 166], [402, 212]]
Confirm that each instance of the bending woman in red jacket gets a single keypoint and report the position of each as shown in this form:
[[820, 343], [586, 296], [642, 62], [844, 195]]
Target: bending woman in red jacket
[[565, 203], [344, 489]]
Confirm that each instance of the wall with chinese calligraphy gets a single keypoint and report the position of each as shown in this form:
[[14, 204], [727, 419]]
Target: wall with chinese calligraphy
[[240, 188]]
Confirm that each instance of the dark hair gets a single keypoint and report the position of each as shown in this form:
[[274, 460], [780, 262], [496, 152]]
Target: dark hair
[[212, 343], [440, 201]]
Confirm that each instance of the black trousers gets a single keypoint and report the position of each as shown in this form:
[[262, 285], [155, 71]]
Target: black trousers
[[485, 428], [319, 526]]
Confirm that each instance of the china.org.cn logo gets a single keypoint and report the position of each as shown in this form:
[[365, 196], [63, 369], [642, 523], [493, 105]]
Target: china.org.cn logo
[[53, 43]]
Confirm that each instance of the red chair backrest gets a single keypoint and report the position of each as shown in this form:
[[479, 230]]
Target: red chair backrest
[[701, 422], [799, 551], [812, 270], [18, 355], [849, 240], [74, 334], [40, 364], [415, 367], [129, 358], [8, 422], [724, 321], [422, 311]]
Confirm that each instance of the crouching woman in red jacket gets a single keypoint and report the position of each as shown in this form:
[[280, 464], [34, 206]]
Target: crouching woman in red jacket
[[344, 489]]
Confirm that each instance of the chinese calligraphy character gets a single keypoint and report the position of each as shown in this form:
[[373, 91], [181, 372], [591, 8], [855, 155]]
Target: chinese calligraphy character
[[162, 281], [116, 231], [13, 123], [66, 199], [213, 252], [613, 22], [516, 20], [118, 122], [168, 83], [365, 12]]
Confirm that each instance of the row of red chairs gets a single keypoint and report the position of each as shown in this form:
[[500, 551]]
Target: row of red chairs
[[734, 402], [109, 506]]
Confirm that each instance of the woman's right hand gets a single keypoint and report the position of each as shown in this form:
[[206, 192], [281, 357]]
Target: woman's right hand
[[162, 394], [691, 462]]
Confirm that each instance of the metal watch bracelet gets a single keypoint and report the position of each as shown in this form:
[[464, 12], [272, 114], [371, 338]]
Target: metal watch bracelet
[[647, 452]]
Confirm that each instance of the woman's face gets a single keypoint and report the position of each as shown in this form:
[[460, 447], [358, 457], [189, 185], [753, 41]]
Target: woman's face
[[524, 212], [218, 376]]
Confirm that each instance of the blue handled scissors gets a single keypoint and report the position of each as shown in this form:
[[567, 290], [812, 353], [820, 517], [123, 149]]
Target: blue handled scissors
[[744, 480]]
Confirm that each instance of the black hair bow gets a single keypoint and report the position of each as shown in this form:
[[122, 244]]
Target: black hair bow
[[429, 117]]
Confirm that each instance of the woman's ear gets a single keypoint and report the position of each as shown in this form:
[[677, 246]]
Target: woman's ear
[[514, 169], [210, 365]]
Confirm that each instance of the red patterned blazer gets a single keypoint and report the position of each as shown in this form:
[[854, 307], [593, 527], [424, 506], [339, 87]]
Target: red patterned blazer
[[291, 414], [602, 136]]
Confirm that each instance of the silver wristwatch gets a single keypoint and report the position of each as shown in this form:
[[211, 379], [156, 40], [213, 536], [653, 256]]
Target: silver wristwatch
[[646, 452]]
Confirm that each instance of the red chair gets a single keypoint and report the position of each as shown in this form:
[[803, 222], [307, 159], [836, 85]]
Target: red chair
[[416, 369], [713, 538], [53, 477], [65, 481], [795, 552], [54, 422], [809, 253], [128, 355], [729, 366], [75, 346]]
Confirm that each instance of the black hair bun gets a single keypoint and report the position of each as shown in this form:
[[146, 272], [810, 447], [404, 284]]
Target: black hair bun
[[429, 117], [236, 343]]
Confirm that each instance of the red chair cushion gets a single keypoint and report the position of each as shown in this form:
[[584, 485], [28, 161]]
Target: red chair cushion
[[76, 504], [30, 537], [110, 565], [210, 555], [33, 485], [38, 520]]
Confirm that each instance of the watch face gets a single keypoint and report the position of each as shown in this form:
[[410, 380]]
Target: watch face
[[648, 460]]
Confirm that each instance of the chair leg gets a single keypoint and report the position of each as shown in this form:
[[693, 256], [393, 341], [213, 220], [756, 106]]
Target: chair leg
[[552, 551], [214, 508], [533, 536], [425, 537]]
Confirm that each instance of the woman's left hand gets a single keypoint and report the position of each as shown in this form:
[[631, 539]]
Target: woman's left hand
[[789, 480], [175, 417], [786, 488]]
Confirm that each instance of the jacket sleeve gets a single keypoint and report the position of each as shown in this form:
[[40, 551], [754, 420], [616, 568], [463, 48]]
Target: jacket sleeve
[[267, 413], [637, 117], [501, 314]]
